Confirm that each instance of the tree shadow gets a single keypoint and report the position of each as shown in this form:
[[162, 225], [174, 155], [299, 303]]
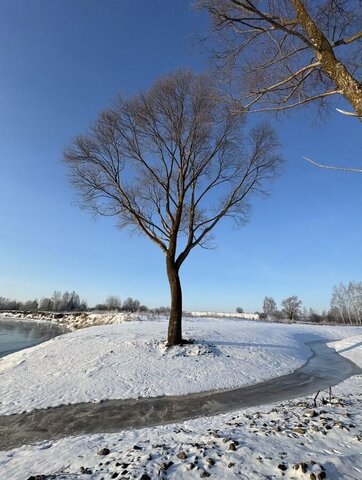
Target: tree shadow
[[246, 344], [351, 347], [301, 339]]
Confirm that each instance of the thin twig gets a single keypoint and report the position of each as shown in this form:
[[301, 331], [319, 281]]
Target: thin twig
[[332, 167]]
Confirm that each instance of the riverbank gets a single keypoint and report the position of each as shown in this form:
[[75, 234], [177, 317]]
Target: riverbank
[[77, 320]]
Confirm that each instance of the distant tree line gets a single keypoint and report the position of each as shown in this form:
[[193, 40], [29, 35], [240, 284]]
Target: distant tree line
[[114, 303], [345, 307], [71, 302], [58, 302]]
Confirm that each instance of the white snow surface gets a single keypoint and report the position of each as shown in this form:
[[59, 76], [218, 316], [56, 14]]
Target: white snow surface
[[129, 360], [252, 444], [350, 347]]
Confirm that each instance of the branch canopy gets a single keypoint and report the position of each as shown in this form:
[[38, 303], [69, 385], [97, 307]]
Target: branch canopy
[[280, 54], [172, 162]]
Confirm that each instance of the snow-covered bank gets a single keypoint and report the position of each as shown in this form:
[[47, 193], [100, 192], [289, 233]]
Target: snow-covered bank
[[129, 360], [75, 321], [350, 347], [293, 440], [245, 316]]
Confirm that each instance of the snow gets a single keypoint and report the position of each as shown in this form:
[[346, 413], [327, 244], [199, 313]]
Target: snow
[[248, 444], [246, 316], [75, 321], [130, 360], [350, 347]]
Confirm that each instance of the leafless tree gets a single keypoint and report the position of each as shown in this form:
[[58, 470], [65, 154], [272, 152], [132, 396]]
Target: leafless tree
[[171, 163], [269, 306], [291, 307], [130, 305], [113, 303], [287, 53], [347, 302]]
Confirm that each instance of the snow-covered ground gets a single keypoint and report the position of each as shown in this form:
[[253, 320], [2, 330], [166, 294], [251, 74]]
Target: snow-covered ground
[[128, 360], [246, 316]]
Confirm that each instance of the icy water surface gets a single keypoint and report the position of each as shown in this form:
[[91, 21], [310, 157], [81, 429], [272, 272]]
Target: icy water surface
[[16, 334]]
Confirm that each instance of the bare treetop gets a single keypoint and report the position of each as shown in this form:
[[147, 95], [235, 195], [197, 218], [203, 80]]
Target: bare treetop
[[285, 53], [172, 160], [171, 163]]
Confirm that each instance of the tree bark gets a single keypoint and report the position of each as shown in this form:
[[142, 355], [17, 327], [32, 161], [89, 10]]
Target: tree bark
[[335, 69], [174, 336]]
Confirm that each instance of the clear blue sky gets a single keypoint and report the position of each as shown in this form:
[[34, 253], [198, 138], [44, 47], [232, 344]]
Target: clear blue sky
[[61, 61]]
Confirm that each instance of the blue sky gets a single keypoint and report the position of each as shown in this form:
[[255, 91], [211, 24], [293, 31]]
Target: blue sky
[[61, 61]]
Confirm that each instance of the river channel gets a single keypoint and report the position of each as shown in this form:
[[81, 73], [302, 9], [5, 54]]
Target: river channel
[[16, 334]]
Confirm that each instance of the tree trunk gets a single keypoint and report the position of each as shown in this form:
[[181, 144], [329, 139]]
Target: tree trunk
[[334, 68], [174, 336]]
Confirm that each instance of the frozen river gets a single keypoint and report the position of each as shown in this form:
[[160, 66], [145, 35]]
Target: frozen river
[[16, 335]]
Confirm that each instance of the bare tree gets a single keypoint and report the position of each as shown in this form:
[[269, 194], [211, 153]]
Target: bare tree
[[56, 301], [45, 304], [171, 163], [130, 305], [288, 53], [113, 303], [347, 302], [269, 306], [291, 307]]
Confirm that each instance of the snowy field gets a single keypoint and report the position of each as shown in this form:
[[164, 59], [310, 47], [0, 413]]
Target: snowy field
[[129, 360], [292, 440]]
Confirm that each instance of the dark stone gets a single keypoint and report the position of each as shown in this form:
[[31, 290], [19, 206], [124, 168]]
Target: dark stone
[[282, 467], [115, 475], [41, 477], [204, 474], [311, 413], [86, 471], [136, 447], [181, 455], [164, 466], [232, 446], [104, 451], [321, 475], [145, 477], [299, 430]]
